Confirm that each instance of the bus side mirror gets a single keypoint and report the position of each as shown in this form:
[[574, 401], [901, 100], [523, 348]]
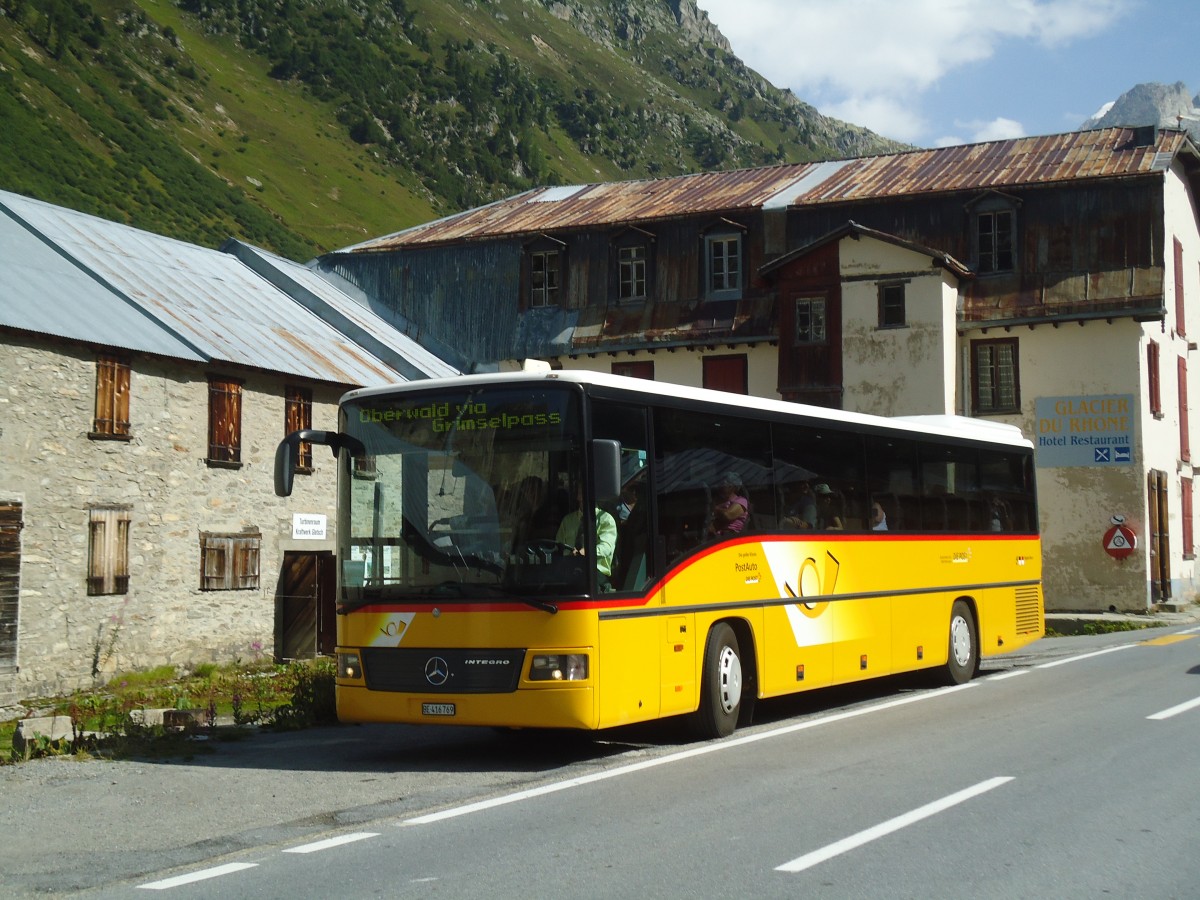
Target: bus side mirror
[[287, 455], [606, 469]]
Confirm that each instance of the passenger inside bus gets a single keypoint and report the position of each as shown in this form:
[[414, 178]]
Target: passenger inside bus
[[878, 517], [829, 509], [731, 509], [802, 511]]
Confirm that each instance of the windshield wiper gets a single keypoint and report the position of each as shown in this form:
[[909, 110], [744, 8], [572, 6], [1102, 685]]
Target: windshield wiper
[[544, 605]]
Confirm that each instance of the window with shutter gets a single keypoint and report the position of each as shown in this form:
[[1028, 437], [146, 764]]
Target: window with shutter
[[1180, 323], [1189, 548], [229, 562], [108, 550], [1185, 442], [1153, 379], [224, 421], [298, 416], [112, 398], [10, 582]]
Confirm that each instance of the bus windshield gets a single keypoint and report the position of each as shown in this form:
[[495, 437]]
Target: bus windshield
[[458, 496]]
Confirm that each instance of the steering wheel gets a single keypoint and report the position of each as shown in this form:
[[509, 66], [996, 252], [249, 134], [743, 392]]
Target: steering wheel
[[545, 546]]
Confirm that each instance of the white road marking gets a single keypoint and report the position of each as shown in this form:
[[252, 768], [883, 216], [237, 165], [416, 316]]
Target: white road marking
[[885, 828], [191, 877], [1011, 673], [1071, 659], [333, 842], [1175, 710], [712, 747]]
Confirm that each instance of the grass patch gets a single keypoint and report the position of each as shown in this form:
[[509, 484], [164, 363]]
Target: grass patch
[[1120, 625], [111, 722]]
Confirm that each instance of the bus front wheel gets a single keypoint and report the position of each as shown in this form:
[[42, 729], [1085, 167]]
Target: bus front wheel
[[963, 658], [721, 688]]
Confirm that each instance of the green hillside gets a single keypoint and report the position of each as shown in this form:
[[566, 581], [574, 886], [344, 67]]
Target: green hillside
[[306, 125]]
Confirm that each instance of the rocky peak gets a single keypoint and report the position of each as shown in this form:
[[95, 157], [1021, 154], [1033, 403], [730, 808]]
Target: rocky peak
[[1161, 105]]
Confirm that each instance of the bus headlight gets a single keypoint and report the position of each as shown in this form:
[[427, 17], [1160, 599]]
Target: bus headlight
[[559, 667], [349, 665]]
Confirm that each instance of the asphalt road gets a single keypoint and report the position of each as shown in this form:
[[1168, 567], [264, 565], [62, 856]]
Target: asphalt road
[[1045, 777]]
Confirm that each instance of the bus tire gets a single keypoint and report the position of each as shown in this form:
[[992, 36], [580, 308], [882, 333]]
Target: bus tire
[[721, 687], [963, 657]]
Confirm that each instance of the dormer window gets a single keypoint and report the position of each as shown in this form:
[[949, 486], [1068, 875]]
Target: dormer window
[[632, 264], [994, 222], [994, 240], [544, 278], [723, 246], [723, 265], [543, 275], [631, 273]]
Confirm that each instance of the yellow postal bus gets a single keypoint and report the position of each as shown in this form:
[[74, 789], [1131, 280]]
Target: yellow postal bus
[[574, 550]]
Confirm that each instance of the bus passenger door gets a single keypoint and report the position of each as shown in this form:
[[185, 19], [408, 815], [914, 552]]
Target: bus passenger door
[[678, 665]]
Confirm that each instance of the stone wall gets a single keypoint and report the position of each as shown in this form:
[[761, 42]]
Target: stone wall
[[68, 639]]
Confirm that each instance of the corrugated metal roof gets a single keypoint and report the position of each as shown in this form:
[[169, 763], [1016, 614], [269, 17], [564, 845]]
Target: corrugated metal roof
[[37, 281], [1076, 155], [553, 209], [350, 316], [167, 297]]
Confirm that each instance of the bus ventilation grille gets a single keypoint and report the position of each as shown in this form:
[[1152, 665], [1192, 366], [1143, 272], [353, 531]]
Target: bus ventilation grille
[[1029, 610]]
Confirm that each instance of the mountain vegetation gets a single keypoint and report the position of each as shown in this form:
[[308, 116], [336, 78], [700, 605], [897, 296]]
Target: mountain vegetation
[[306, 125]]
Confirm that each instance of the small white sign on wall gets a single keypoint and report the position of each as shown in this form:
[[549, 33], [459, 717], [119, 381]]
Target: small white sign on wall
[[309, 526]]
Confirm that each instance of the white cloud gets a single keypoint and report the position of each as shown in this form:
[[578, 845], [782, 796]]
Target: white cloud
[[998, 129], [870, 61]]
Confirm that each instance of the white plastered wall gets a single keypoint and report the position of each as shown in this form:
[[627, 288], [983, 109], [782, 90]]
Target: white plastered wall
[[896, 371]]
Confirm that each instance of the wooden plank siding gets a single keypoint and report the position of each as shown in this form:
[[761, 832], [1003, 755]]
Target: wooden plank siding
[[11, 524]]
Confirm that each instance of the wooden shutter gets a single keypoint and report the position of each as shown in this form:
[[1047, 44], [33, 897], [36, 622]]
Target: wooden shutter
[[108, 550], [224, 420], [229, 562], [10, 582], [298, 416], [726, 373], [1152, 377], [1185, 444], [1185, 496], [112, 397], [1180, 325]]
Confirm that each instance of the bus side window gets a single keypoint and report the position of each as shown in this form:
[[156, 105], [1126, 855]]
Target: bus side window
[[633, 566]]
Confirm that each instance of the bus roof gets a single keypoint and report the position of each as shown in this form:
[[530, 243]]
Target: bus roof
[[962, 427]]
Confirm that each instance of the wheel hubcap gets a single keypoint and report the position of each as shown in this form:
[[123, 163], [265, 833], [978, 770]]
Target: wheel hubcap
[[960, 640], [729, 669]]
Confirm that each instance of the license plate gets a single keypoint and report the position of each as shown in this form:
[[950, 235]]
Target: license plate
[[437, 709]]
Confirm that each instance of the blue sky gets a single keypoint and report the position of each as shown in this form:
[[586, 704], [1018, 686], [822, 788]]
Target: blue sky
[[939, 72]]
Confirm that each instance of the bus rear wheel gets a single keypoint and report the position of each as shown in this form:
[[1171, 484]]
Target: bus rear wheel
[[963, 658], [721, 688]]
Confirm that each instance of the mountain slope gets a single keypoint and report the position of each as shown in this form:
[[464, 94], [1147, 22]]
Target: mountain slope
[[306, 125], [1151, 103]]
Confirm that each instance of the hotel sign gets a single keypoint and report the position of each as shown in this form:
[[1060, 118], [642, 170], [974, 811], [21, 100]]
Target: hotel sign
[[1084, 430]]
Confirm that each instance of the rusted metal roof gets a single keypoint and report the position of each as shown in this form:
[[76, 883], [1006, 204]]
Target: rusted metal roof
[[106, 283], [997, 165], [587, 206]]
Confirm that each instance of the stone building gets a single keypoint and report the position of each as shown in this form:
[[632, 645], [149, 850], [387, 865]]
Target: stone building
[[144, 386]]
